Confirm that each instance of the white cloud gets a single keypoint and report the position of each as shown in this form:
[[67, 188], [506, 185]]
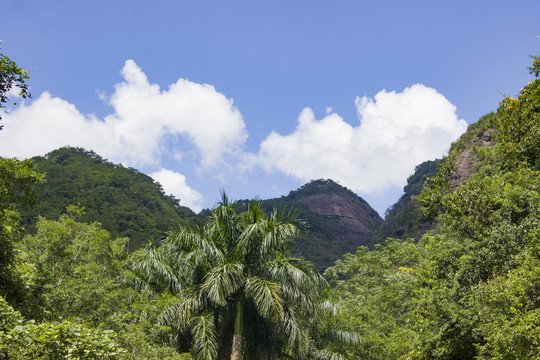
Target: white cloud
[[397, 131], [175, 184], [201, 117], [198, 126], [14, 92], [46, 124]]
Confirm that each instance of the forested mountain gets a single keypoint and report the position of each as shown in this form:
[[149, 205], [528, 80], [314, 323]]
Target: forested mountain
[[337, 220], [130, 204], [126, 202], [404, 219]]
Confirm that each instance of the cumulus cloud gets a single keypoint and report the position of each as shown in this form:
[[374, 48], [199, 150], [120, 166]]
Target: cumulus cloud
[[397, 131], [46, 124], [133, 134], [175, 184], [195, 125]]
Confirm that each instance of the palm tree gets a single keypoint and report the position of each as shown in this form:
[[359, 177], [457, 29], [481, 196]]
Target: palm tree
[[240, 292]]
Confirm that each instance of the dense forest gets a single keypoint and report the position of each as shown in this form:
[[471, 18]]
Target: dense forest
[[126, 202], [453, 273]]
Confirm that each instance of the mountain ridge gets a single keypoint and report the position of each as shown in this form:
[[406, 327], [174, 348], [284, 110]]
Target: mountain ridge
[[129, 203]]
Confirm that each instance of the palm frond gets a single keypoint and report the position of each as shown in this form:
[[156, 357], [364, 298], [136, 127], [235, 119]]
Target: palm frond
[[239, 258], [191, 302], [328, 307], [296, 335], [253, 213], [177, 316], [328, 355], [344, 338], [266, 296], [248, 239], [224, 227], [295, 272], [205, 344], [153, 269], [222, 281], [197, 242], [298, 299], [278, 237]]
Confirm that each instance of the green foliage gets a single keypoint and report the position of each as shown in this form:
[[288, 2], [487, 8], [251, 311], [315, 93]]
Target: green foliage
[[11, 76], [375, 288], [16, 183], [126, 202], [519, 124], [16, 188], [18, 178], [463, 259], [435, 188], [76, 271], [404, 219], [486, 227], [474, 131], [445, 181], [508, 310], [471, 289], [535, 68], [53, 341], [477, 294], [77, 266], [489, 227]]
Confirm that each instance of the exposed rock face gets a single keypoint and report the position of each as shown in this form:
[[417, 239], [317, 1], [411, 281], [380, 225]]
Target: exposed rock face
[[467, 159], [338, 220], [357, 218]]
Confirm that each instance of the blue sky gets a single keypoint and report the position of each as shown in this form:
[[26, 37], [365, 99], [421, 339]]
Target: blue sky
[[258, 97]]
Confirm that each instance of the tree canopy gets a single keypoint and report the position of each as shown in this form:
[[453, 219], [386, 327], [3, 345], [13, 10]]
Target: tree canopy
[[11, 76]]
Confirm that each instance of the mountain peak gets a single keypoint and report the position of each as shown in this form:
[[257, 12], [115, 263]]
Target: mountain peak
[[338, 220], [320, 186], [329, 198]]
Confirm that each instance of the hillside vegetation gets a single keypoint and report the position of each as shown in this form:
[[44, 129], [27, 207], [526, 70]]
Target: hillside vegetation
[[126, 202], [404, 219]]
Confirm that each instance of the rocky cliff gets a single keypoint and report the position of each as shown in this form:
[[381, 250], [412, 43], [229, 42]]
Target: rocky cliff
[[338, 220]]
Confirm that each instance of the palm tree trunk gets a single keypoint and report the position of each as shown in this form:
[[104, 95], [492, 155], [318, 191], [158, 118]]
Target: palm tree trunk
[[236, 353]]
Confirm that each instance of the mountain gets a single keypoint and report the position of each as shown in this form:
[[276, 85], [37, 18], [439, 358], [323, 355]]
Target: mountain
[[126, 202], [464, 154], [338, 220], [404, 218], [129, 203]]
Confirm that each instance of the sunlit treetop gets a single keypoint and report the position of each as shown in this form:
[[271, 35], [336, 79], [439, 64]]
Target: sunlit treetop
[[11, 76]]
